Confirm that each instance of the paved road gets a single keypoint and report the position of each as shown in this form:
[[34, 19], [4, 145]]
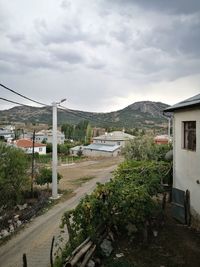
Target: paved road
[[35, 239]]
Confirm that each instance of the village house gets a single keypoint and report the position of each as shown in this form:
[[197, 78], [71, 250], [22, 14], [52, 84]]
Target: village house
[[162, 139], [106, 145], [7, 133], [47, 136], [119, 138], [27, 146], [101, 150], [186, 153]]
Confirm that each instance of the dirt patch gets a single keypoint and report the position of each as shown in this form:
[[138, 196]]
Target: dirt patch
[[74, 174], [175, 246]]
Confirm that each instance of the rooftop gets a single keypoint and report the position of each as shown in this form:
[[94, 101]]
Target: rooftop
[[102, 147], [26, 143], [190, 102], [115, 136]]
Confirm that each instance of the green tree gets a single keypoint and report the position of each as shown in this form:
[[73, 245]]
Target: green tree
[[13, 174], [144, 148], [68, 130], [45, 177], [88, 134]]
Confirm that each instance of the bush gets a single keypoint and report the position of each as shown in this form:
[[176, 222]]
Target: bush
[[45, 177], [13, 175]]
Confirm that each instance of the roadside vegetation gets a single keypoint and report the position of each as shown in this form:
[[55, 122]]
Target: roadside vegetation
[[126, 204]]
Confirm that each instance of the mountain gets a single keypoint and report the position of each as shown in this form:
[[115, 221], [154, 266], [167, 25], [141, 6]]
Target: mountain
[[139, 114]]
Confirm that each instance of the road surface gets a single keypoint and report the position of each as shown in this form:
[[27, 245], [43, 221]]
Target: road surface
[[35, 239]]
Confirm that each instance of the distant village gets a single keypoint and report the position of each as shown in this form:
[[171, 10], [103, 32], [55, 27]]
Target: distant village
[[98, 143]]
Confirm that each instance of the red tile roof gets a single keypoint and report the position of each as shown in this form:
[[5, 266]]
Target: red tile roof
[[27, 143]]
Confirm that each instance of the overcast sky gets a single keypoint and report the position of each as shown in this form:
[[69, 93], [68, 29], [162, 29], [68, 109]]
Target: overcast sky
[[102, 55]]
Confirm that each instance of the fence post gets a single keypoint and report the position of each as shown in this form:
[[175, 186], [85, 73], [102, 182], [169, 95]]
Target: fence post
[[24, 260], [51, 252]]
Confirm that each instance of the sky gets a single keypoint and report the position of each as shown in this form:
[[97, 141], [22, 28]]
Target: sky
[[102, 55]]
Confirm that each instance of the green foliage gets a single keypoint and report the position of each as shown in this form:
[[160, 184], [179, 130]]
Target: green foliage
[[13, 174], [81, 132], [144, 148], [49, 147], [63, 149], [45, 177], [125, 199], [68, 130], [80, 152]]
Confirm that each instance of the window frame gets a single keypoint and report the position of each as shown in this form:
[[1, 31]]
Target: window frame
[[189, 132]]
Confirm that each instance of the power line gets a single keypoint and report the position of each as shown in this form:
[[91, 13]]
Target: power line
[[14, 92], [14, 102]]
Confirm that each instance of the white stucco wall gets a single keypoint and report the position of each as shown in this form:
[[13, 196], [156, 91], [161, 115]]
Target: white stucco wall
[[187, 163], [40, 150], [95, 153], [111, 142]]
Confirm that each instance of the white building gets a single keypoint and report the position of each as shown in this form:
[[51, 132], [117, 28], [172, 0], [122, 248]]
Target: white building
[[101, 150], [118, 138], [47, 136], [186, 151], [27, 146]]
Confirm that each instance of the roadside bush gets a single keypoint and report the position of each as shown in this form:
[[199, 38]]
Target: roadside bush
[[13, 175], [45, 177], [126, 199]]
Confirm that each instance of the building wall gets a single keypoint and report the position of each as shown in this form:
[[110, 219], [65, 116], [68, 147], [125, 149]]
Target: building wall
[[41, 150], [187, 163], [95, 153], [110, 142]]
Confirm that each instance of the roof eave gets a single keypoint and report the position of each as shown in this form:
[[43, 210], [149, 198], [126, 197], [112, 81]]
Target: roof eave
[[172, 109]]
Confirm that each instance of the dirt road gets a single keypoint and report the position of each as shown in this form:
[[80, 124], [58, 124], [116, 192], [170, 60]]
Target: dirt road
[[35, 238]]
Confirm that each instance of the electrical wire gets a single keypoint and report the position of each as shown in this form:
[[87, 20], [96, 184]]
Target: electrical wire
[[14, 102], [81, 116], [23, 96]]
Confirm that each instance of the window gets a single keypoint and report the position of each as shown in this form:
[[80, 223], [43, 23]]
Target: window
[[189, 135], [40, 149]]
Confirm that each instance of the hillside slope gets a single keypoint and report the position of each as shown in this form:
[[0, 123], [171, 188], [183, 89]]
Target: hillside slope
[[139, 114]]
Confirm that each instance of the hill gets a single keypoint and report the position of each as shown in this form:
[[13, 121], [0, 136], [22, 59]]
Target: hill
[[139, 114]]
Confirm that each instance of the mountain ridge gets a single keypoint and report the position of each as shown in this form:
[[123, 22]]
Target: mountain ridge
[[138, 114]]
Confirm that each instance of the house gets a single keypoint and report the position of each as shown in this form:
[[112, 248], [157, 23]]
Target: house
[[119, 138], [27, 146], [7, 134], [47, 136], [186, 152], [101, 150], [162, 139]]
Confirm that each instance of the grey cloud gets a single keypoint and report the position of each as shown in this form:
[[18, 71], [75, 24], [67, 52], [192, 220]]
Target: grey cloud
[[168, 6], [16, 37], [70, 57]]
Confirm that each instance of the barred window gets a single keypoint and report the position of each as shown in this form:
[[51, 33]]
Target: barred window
[[189, 135]]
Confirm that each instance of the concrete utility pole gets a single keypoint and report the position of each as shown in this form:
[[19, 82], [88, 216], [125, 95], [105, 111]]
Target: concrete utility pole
[[55, 155]]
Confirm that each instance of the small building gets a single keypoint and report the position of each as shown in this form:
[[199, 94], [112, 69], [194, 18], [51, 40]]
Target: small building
[[47, 136], [6, 134], [27, 146], [162, 139], [119, 138], [101, 150], [186, 151]]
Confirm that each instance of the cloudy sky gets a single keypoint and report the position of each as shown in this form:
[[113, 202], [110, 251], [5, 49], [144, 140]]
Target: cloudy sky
[[102, 55]]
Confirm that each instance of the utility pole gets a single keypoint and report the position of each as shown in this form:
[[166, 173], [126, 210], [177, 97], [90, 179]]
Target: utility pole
[[55, 155], [33, 163], [169, 129]]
